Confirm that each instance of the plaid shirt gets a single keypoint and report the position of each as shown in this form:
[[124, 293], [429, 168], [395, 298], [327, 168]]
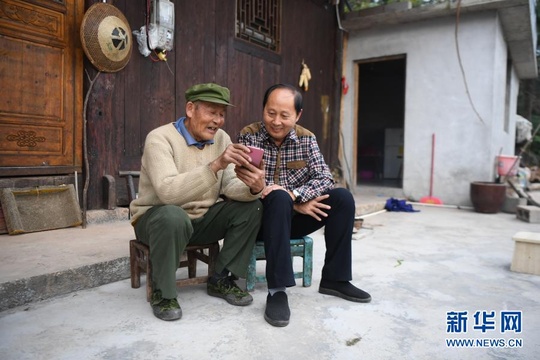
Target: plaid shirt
[[296, 165]]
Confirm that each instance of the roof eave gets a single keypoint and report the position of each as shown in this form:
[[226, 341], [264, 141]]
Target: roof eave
[[517, 19]]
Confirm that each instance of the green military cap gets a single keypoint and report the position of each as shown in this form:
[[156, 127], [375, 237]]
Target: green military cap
[[209, 92]]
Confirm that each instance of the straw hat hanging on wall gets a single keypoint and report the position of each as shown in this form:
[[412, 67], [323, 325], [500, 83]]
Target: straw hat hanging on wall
[[106, 37]]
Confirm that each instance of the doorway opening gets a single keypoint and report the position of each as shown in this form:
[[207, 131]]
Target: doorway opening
[[381, 121]]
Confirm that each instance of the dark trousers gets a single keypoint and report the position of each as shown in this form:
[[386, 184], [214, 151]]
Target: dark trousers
[[167, 230], [281, 223]]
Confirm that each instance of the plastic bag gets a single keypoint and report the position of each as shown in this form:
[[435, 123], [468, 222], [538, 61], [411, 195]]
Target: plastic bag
[[141, 40]]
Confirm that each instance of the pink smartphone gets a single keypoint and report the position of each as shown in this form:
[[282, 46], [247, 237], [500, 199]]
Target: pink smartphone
[[256, 155]]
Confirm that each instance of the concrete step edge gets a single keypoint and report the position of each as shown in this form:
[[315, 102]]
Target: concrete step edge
[[36, 288]]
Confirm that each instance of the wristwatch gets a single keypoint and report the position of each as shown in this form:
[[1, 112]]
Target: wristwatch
[[296, 196]]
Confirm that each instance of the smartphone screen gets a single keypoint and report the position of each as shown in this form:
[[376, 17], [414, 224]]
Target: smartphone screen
[[256, 155]]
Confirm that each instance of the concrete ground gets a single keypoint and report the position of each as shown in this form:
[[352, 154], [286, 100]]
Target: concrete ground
[[419, 267]]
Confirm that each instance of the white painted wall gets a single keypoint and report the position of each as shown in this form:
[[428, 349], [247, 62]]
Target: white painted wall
[[436, 100]]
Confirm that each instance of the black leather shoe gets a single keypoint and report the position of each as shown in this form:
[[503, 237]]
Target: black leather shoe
[[344, 290], [277, 311]]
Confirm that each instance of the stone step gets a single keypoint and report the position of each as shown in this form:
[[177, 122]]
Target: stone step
[[40, 287], [41, 265]]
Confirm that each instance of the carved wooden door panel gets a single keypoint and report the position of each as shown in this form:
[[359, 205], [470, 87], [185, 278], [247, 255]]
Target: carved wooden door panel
[[41, 87]]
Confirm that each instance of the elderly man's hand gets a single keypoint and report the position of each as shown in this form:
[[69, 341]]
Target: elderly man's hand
[[236, 154], [270, 188]]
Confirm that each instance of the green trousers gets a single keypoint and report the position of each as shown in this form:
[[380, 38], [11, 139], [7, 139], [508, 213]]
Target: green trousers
[[167, 230]]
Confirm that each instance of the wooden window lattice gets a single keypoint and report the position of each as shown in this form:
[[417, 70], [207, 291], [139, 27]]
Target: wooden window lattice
[[259, 22]]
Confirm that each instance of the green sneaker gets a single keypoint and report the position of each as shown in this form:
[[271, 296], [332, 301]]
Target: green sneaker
[[227, 289], [165, 309]]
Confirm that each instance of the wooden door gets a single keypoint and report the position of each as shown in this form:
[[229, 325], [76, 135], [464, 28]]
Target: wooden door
[[41, 87]]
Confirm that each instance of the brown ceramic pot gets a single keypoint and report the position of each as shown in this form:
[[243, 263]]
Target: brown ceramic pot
[[487, 197]]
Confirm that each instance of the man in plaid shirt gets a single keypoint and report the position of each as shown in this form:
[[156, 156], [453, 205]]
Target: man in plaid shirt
[[299, 198]]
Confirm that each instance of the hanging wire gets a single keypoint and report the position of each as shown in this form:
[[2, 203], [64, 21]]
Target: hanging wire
[[461, 63]]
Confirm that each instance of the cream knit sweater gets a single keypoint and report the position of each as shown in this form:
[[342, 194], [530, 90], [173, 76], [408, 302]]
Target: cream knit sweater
[[174, 173]]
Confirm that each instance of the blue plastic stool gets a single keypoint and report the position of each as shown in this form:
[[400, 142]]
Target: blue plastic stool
[[302, 247]]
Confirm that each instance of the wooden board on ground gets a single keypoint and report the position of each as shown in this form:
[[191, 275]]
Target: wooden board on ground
[[40, 208]]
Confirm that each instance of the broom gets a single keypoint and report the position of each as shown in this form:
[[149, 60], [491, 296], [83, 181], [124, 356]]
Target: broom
[[431, 199]]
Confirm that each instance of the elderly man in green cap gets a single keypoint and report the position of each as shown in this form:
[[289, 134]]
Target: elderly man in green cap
[[197, 187]]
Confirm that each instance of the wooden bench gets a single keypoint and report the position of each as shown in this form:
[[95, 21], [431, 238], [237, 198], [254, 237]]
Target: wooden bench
[[129, 175], [139, 260], [139, 253]]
